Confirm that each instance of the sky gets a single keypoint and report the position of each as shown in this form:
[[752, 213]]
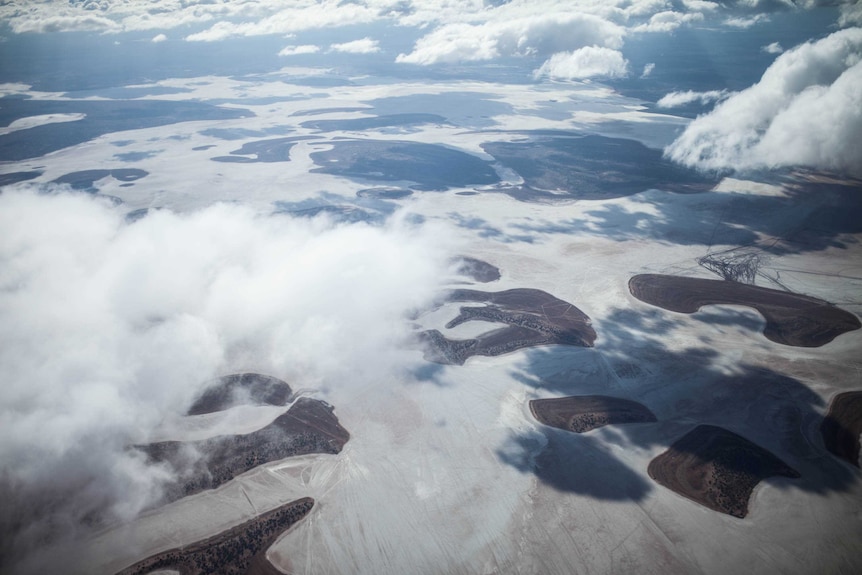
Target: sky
[[110, 325]]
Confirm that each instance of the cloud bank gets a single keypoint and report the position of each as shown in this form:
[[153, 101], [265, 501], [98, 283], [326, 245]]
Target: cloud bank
[[258, 17], [109, 328], [543, 34], [806, 110]]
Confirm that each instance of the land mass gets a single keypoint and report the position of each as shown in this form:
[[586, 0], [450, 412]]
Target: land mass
[[430, 166], [238, 550], [791, 319], [716, 468], [309, 426], [477, 270], [85, 180], [570, 166], [241, 388], [584, 413], [842, 425], [534, 317]]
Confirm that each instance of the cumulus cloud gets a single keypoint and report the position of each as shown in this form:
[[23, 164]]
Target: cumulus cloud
[[81, 22], [668, 21], [296, 50], [648, 68], [774, 48], [303, 15], [260, 17], [362, 46], [586, 62], [107, 328], [159, 38], [543, 34], [851, 14], [701, 5], [805, 110], [676, 99]]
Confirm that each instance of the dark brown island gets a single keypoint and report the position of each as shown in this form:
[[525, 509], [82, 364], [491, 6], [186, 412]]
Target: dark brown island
[[241, 388], [716, 468], [791, 319], [236, 551], [533, 318], [309, 426], [477, 270], [584, 413], [842, 425]]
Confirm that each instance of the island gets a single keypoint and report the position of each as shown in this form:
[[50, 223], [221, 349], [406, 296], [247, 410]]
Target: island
[[533, 318], [583, 413], [309, 426], [716, 468], [238, 550], [791, 319], [241, 388], [842, 425]]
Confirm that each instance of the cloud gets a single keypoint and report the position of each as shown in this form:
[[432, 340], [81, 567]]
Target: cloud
[[668, 21], [296, 50], [261, 17], [746, 22], [774, 48], [544, 34], [363, 46], [806, 110], [676, 99], [304, 15], [648, 68], [851, 14], [586, 62], [108, 328], [701, 5], [76, 22], [159, 38]]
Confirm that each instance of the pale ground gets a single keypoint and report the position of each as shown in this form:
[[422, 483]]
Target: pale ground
[[423, 485]]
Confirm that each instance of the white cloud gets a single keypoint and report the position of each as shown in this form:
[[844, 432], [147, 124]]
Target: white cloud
[[587, 62], [676, 99], [259, 17], [667, 21], [363, 46], [108, 328], [746, 22], [76, 22], [774, 48], [701, 5], [805, 110], [296, 50], [304, 15], [545, 34], [851, 14], [159, 38], [648, 68]]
